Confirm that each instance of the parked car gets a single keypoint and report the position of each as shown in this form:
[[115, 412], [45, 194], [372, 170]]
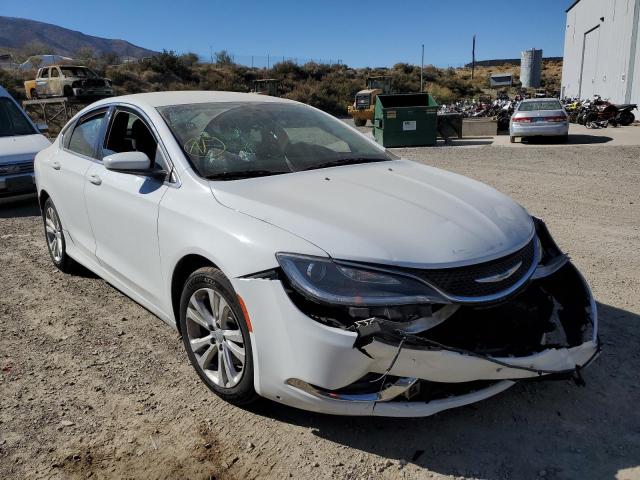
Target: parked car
[[302, 262], [68, 81], [539, 117], [20, 140]]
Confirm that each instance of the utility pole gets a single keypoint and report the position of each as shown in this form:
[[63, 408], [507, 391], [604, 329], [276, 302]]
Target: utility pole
[[422, 71], [211, 52], [473, 57]]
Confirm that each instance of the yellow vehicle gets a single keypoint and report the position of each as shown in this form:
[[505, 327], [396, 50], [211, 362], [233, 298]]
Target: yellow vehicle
[[365, 102]]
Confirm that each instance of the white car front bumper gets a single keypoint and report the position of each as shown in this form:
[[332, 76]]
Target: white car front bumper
[[299, 361]]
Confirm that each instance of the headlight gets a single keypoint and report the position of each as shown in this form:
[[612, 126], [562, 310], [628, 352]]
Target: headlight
[[323, 280]]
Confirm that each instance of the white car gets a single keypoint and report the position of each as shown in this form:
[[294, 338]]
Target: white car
[[539, 117], [20, 140], [302, 262]]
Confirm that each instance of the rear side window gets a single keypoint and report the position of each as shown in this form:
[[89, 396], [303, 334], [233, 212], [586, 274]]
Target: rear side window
[[541, 105], [54, 73], [85, 135], [12, 120]]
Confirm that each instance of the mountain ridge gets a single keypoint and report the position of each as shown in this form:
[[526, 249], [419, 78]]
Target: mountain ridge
[[18, 33]]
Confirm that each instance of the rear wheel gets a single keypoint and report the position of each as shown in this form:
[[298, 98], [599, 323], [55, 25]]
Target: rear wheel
[[55, 238], [627, 118], [216, 336]]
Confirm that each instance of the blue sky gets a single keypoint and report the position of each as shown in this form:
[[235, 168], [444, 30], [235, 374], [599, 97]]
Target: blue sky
[[371, 33]]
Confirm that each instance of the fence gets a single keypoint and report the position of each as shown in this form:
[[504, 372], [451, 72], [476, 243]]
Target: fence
[[268, 61]]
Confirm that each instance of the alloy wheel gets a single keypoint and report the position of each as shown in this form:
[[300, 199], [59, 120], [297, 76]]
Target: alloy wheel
[[53, 231], [215, 338]]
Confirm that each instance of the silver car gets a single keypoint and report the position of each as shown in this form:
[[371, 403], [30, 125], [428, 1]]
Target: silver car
[[539, 117]]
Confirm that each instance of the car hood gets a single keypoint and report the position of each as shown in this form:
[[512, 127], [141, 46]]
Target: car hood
[[397, 212], [21, 148]]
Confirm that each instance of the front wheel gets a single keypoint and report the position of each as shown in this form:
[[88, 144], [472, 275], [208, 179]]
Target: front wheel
[[215, 334], [512, 139], [360, 122], [55, 238]]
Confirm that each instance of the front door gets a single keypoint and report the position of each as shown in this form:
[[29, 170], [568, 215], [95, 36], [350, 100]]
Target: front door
[[123, 209]]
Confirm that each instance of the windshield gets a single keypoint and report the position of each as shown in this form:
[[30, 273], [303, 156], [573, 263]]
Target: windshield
[[13, 121], [541, 105], [239, 140], [81, 72]]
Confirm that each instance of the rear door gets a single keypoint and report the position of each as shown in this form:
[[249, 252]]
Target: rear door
[[55, 81], [123, 207], [66, 178], [42, 82]]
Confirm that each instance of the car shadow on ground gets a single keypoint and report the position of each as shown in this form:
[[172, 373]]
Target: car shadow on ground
[[16, 208], [552, 429], [574, 139]]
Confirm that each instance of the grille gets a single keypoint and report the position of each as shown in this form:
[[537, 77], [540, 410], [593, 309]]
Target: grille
[[94, 82], [461, 281], [16, 168]]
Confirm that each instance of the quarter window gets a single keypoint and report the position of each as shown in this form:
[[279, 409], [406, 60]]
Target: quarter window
[[54, 73], [85, 136]]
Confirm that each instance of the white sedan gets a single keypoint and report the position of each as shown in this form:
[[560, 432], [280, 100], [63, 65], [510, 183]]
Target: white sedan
[[302, 262]]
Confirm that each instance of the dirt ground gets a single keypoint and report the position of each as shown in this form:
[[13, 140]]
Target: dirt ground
[[92, 385]]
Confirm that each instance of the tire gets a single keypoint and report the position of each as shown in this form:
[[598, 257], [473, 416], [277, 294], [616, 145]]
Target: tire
[[590, 117], [67, 91], [360, 122], [210, 351], [54, 236], [627, 118], [34, 94], [512, 139]]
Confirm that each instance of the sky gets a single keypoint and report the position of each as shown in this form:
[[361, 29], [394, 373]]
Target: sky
[[371, 33]]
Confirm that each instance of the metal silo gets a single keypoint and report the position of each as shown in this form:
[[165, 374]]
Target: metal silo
[[531, 68]]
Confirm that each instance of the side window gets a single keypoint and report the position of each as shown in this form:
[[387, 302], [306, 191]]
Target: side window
[[85, 135], [129, 133], [45, 73], [55, 73]]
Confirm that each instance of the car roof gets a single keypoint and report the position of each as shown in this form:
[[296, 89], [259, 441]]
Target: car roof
[[546, 99], [161, 99]]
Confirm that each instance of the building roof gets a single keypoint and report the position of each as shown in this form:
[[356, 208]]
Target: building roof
[[572, 5]]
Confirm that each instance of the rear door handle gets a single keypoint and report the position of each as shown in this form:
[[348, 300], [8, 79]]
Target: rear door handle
[[55, 165], [95, 179]]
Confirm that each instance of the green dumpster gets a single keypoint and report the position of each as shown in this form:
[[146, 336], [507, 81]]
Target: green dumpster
[[405, 120]]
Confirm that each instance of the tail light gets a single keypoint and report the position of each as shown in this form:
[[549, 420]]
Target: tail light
[[558, 119], [522, 119]]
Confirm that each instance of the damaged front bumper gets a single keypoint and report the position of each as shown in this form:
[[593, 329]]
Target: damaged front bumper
[[469, 353]]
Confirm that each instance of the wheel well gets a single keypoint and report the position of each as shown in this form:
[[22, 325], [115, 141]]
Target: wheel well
[[185, 267]]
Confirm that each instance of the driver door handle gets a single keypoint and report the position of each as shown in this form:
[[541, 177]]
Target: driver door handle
[[95, 179], [55, 165]]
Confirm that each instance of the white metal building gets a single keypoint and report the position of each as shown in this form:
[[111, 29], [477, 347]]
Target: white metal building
[[602, 50]]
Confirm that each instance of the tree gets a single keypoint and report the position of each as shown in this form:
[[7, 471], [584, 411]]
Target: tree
[[224, 58]]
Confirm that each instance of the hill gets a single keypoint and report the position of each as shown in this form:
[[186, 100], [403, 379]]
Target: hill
[[20, 34]]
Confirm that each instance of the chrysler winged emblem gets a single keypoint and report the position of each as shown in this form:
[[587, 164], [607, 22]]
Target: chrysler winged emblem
[[500, 276]]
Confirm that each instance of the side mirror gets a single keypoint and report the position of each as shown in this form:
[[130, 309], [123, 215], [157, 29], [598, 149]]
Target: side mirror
[[42, 127], [134, 163]]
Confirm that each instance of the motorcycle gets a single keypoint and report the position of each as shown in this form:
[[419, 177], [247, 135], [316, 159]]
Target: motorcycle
[[625, 116]]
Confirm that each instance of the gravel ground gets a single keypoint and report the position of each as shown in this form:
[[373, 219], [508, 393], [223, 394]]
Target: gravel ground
[[93, 385]]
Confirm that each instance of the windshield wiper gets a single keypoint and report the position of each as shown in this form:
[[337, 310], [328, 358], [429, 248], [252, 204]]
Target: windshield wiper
[[237, 175], [346, 161]]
